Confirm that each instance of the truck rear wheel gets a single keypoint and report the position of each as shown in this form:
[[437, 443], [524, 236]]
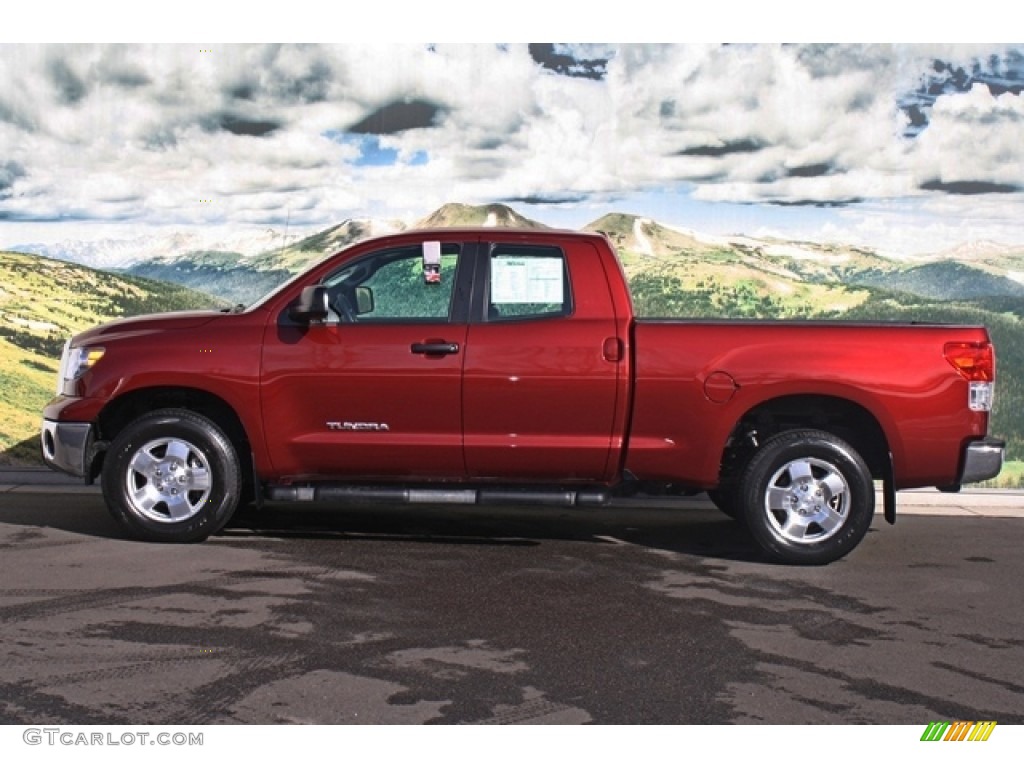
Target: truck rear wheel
[[172, 476], [807, 497]]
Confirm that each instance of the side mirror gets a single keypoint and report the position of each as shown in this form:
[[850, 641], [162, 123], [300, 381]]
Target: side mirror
[[312, 307], [364, 300]]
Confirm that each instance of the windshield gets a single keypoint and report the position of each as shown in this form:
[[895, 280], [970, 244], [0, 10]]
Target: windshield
[[282, 286]]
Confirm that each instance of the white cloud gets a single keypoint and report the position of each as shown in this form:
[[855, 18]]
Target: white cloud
[[974, 137], [183, 135]]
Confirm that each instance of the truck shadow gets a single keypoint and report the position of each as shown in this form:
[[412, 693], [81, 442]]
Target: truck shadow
[[699, 532], [28, 515], [692, 530]]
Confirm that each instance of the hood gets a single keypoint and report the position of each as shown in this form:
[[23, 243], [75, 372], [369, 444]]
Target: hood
[[146, 324]]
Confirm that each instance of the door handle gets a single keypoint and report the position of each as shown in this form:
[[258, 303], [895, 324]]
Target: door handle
[[435, 348], [612, 349]]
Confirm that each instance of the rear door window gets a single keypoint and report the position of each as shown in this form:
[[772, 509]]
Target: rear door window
[[528, 282]]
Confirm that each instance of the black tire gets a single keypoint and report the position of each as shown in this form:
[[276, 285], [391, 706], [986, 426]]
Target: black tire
[[807, 497], [724, 498], [172, 476]]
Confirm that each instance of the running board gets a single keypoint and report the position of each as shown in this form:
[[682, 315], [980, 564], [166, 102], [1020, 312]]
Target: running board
[[354, 494]]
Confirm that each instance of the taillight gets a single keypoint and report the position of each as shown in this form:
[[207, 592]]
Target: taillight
[[976, 362], [973, 360]]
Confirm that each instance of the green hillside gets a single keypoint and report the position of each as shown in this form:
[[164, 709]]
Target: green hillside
[[662, 293], [297, 256], [242, 279], [42, 303], [944, 280], [671, 272], [647, 239], [217, 273], [1007, 331]]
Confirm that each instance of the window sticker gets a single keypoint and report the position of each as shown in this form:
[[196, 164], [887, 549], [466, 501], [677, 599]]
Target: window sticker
[[432, 261], [526, 280]]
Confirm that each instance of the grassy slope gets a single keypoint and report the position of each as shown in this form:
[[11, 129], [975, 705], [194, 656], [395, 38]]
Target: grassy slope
[[1012, 476], [723, 285], [27, 380], [671, 275], [42, 302]]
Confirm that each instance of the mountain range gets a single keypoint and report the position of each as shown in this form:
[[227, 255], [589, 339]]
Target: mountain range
[[672, 272], [243, 267]]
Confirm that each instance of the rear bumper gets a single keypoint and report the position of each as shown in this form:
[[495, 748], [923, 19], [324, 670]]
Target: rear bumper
[[67, 446], [983, 460]]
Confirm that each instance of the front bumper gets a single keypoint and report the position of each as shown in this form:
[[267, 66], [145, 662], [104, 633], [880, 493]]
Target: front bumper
[[68, 446], [983, 460]]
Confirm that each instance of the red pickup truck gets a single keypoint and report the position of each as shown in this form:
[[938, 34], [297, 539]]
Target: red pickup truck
[[502, 366]]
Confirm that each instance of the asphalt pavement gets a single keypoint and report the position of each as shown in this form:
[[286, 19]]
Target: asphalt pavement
[[629, 614]]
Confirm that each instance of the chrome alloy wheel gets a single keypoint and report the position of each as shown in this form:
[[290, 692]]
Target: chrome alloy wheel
[[807, 500], [168, 480]]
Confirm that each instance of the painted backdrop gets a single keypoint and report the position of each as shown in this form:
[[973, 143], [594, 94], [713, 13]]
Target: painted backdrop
[[909, 149], [858, 181]]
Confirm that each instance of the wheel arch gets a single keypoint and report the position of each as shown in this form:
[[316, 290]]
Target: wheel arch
[[844, 418], [120, 412]]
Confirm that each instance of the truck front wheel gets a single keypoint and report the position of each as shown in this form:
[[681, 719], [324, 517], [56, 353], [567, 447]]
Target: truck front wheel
[[172, 476], [807, 497]]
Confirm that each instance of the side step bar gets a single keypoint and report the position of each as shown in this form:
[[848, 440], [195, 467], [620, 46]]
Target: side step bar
[[354, 494]]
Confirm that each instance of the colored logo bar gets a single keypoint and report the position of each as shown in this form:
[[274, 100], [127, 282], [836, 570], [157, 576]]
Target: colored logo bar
[[959, 730]]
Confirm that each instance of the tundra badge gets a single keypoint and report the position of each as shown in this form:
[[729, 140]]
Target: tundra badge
[[358, 426]]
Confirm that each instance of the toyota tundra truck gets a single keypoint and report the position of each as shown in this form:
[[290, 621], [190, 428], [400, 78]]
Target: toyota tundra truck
[[486, 366]]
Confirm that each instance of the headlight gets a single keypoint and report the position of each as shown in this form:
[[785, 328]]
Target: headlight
[[73, 364]]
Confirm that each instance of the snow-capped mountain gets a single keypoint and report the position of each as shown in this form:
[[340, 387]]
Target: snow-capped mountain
[[494, 215], [123, 253], [242, 266]]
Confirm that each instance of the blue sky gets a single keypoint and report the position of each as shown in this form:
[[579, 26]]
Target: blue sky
[[907, 148]]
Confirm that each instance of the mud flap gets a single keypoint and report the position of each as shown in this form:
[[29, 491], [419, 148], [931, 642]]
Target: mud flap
[[889, 492]]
